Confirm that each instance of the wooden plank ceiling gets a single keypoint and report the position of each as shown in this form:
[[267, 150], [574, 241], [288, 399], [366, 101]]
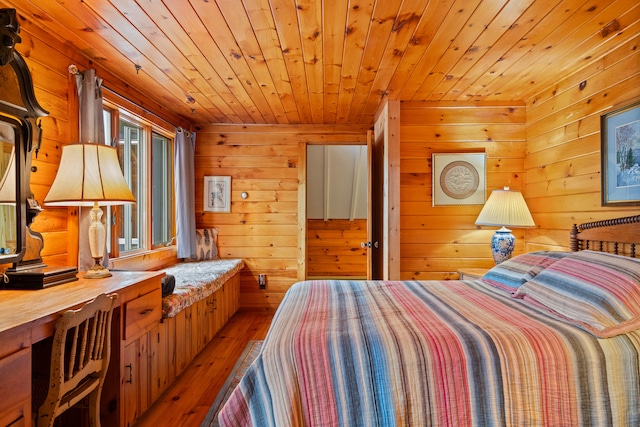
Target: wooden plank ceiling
[[332, 61]]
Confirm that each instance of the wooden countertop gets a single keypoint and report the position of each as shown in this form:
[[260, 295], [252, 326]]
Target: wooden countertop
[[18, 307]]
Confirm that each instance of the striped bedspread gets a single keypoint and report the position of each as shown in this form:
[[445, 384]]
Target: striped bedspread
[[451, 353]]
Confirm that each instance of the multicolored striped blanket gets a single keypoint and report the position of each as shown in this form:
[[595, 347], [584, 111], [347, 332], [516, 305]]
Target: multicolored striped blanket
[[441, 353]]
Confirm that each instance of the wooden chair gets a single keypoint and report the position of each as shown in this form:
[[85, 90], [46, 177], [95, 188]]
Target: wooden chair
[[79, 360]]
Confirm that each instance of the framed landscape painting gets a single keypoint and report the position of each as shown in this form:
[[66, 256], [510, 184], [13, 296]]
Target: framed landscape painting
[[620, 153]]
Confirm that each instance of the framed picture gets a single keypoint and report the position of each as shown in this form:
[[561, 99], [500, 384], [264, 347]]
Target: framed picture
[[620, 154], [458, 179], [217, 194]]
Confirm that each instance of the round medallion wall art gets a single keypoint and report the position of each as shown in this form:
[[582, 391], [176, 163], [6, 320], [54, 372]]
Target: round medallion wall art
[[458, 179]]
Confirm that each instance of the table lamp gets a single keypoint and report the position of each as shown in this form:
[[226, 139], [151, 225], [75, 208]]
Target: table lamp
[[90, 175], [505, 208]]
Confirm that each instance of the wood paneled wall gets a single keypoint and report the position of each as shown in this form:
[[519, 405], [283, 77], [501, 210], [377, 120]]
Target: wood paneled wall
[[334, 248], [48, 60], [436, 241], [563, 145], [263, 229]]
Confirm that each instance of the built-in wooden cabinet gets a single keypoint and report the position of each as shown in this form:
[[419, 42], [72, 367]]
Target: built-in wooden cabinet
[[176, 341], [147, 352], [141, 317], [28, 318]]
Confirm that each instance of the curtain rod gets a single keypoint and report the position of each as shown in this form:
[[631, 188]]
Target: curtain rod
[[73, 70], [140, 106]]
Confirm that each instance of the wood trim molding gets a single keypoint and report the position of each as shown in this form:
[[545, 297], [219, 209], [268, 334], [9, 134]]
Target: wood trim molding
[[302, 210], [392, 142]]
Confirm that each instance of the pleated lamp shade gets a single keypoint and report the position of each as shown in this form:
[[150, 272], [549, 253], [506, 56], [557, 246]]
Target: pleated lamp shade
[[505, 208]]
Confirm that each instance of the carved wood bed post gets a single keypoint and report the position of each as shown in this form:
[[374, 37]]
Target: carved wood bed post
[[573, 236]]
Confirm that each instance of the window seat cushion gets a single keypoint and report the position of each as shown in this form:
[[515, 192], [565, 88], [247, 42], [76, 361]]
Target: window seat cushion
[[197, 280]]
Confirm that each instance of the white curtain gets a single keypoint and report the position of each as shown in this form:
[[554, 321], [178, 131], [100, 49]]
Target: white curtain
[[184, 154], [91, 130]]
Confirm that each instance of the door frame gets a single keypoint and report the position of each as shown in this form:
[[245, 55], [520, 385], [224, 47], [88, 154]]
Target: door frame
[[387, 124], [387, 129], [302, 201]]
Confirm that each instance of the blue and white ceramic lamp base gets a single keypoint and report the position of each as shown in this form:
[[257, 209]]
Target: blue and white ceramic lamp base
[[502, 245]]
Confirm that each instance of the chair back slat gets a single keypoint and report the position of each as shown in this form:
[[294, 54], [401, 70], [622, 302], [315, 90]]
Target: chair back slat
[[80, 357], [72, 354], [85, 345], [100, 337], [95, 336]]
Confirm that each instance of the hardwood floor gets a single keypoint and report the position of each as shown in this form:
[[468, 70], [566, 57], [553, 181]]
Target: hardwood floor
[[188, 399]]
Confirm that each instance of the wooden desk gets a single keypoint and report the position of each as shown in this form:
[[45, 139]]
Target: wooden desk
[[27, 317]]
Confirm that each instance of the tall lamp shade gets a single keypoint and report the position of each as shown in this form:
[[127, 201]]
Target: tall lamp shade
[[90, 175], [505, 208]]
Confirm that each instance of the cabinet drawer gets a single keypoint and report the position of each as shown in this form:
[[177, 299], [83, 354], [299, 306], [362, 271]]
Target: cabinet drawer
[[15, 405], [142, 313]]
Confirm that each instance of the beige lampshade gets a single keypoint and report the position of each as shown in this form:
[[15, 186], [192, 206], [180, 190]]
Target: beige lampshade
[[88, 174], [506, 208], [8, 183]]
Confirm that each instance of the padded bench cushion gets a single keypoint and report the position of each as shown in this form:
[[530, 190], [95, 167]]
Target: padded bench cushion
[[197, 280]]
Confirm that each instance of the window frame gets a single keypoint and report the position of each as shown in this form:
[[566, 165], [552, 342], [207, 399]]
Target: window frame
[[117, 113], [171, 188]]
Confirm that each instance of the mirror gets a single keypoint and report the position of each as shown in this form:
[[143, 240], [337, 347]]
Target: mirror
[[19, 136], [8, 214]]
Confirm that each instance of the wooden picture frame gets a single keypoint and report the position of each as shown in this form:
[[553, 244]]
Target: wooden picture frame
[[458, 179], [620, 156], [217, 194]]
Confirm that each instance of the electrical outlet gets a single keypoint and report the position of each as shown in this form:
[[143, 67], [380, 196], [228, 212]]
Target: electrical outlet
[[262, 281]]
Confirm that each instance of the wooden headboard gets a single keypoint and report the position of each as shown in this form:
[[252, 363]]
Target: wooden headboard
[[619, 236]]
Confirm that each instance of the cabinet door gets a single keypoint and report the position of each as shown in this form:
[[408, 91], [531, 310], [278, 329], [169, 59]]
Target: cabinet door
[[144, 371], [159, 361], [130, 383], [136, 384], [15, 406]]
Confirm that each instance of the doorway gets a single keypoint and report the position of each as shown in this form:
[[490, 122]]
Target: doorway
[[337, 207]]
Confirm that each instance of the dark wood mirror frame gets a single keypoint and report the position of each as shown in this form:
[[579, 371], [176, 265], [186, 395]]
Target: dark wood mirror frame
[[19, 107]]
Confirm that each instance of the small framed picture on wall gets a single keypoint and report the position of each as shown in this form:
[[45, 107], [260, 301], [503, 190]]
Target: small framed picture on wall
[[620, 154], [458, 179], [217, 194]]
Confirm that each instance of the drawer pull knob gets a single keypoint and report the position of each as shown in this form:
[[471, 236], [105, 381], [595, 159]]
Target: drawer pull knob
[[147, 311]]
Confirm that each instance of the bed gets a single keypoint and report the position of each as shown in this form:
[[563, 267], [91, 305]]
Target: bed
[[544, 339]]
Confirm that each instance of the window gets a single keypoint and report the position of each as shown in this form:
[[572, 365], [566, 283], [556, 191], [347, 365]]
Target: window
[[146, 158], [132, 154], [161, 190]]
